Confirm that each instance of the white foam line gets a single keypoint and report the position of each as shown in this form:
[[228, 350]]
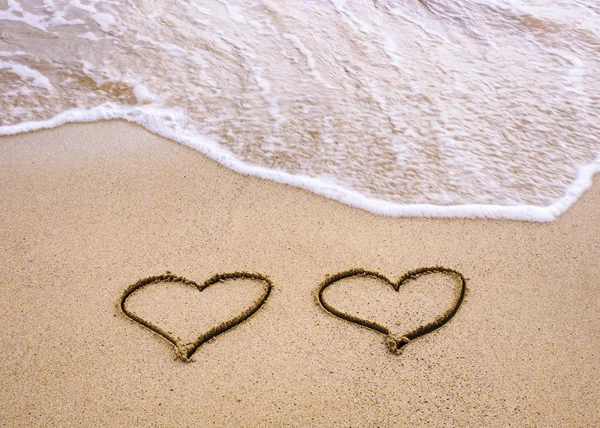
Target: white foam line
[[310, 59], [26, 73], [235, 12], [259, 77], [169, 48], [35, 21], [104, 20], [146, 116], [9, 54]]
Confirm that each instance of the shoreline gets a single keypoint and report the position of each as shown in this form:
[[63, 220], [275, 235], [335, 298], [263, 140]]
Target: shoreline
[[89, 209], [145, 119]]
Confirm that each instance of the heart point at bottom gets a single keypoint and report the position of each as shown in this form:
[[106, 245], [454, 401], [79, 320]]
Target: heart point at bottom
[[184, 352], [395, 345]]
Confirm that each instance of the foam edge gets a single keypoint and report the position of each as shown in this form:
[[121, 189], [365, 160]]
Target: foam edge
[[146, 116]]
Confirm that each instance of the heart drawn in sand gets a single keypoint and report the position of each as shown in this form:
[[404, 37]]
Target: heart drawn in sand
[[395, 344], [185, 351]]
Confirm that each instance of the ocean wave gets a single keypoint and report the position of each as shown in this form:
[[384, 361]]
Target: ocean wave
[[483, 108]]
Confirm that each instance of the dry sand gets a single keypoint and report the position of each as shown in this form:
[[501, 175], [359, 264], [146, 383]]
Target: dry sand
[[89, 209]]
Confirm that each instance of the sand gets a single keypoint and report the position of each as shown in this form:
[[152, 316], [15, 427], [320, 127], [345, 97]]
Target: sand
[[89, 209]]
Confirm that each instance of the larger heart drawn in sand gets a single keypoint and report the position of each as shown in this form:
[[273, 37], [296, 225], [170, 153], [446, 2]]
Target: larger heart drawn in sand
[[395, 344], [185, 351]]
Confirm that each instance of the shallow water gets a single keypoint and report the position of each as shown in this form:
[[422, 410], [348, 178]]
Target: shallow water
[[403, 107]]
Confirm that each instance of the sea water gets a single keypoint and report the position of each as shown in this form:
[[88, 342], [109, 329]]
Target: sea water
[[470, 108]]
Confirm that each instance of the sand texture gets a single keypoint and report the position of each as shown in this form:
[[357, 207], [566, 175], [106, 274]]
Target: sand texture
[[87, 210]]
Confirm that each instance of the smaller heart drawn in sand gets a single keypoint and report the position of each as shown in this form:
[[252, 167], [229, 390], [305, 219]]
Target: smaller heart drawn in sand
[[185, 350], [393, 343]]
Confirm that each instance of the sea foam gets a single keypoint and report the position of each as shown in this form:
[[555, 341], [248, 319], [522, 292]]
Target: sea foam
[[482, 108], [164, 123]]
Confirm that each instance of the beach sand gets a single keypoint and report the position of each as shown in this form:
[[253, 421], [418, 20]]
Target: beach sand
[[89, 209]]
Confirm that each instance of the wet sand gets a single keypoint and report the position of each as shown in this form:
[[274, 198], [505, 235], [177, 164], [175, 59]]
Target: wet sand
[[89, 209]]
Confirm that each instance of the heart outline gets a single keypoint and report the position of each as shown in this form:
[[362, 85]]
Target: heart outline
[[394, 344], [185, 351]]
